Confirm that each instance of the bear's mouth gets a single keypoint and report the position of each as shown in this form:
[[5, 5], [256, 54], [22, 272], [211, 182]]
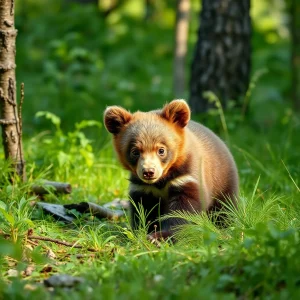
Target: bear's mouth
[[149, 181]]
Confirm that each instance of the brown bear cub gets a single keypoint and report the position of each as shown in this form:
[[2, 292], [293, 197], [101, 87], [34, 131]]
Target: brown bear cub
[[175, 164]]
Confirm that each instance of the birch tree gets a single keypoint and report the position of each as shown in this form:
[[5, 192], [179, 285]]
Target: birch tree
[[9, 117], [181, 38]]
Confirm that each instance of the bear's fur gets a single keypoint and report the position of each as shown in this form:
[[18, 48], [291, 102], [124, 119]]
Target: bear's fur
[[175, 163]]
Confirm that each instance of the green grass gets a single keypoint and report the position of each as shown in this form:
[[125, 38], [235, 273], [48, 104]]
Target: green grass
[[256, 256], [69, 79]]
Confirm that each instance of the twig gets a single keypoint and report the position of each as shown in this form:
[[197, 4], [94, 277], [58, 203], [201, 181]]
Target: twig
[[86, 255], [32, 242], [56, 241]]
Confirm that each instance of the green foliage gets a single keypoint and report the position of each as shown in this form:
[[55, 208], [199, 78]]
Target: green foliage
[[15, 217], [74, 63], [67, 155], [96, 236], [257, 255], [78, 68], [90, 62], [71, 149], [15, 211]]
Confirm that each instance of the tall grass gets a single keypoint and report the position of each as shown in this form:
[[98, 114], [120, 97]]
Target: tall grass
[[260, 240], [256, 254]]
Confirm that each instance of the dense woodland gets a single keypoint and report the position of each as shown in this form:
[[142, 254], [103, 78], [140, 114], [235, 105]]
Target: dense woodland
[[237, 64]]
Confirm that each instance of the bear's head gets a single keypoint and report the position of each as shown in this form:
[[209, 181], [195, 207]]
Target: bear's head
[[148, 144]]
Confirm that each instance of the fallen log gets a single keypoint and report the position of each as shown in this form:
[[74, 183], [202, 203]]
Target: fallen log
[[51, 186], [61, 212], [96, 210]]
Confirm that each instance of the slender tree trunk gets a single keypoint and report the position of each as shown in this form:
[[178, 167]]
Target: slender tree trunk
[[9, 119], [295, 55], [221, 62], [181, 38], [149, 9]]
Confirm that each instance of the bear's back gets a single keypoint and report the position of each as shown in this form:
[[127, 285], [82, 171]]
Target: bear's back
[[218, 169]]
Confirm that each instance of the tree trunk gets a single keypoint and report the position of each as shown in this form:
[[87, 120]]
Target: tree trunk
[[9, 119], [295, 55], [148, 9], [181, 37], [221, 62]]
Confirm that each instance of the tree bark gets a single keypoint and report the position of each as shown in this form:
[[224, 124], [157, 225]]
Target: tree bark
[[181, 37], [221, 61], [9, 119], [295, 53]]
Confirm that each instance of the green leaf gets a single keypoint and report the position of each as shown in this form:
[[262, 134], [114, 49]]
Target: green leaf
[[63, 158], [50, 116], [8, 217], [87, 123], [3, 205]]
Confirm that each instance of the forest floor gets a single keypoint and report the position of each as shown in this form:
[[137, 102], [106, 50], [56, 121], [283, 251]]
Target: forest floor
[[258, 255], [74, 69]]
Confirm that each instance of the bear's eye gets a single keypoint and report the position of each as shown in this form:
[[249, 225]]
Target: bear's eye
[[161, 151], [135, 153]]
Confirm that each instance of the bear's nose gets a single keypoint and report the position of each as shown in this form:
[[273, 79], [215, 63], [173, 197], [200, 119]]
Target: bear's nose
[[148, 173]]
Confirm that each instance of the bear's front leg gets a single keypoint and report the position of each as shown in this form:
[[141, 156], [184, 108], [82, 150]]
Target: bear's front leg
[[152, 208], [185, 198]]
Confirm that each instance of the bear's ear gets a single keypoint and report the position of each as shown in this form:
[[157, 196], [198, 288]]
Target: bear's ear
[[115, 118], [177, 112]]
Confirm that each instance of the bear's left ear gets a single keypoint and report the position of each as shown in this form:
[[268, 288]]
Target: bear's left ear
[[177, 112], [115, 117]]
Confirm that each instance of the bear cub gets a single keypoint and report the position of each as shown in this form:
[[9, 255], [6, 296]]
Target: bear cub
[[174, 164]]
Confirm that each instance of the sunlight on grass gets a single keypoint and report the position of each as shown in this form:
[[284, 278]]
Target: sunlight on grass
[[263, 227], [72, 72]]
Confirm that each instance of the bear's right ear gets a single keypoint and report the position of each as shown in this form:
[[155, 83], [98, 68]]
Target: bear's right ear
[[115, 117], [177, 112]]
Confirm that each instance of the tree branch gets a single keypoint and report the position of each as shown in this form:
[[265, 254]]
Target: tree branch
[[56, 241]]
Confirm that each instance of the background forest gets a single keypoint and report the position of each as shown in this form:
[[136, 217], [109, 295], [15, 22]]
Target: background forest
[[76, 58]]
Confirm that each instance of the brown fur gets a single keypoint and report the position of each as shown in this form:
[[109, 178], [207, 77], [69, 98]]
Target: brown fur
[[175, 163]]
